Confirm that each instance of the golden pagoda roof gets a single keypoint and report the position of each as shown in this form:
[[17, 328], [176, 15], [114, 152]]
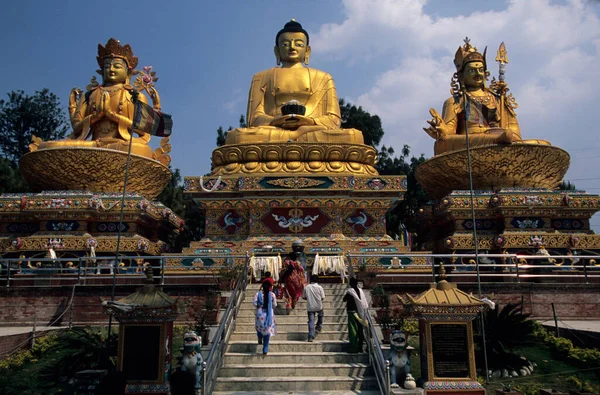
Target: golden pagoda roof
[[443, 301], [146, 305], [445, 293], [149, 296]]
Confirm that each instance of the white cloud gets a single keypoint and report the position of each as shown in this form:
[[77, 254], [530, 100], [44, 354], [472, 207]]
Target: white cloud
[[553, 52]]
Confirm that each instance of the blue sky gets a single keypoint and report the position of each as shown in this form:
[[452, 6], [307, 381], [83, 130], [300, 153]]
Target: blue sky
[[393, 57]]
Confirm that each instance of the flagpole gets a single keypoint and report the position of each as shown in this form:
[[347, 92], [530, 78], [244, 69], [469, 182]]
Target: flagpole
[[467, 110], [134, 97]]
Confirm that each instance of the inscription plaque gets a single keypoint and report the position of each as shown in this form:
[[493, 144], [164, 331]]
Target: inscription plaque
[[450, 350], [141, 348]]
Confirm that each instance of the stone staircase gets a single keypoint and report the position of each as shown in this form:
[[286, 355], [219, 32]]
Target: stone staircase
[[293, 365]]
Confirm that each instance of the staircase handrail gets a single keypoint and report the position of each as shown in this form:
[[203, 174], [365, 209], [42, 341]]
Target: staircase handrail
[[381, 366], [214, 362]]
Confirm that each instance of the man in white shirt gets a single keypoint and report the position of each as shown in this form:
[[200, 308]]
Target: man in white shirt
[[314, 295]]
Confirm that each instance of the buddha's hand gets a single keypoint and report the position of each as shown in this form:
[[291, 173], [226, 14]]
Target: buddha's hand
[[73, 98], [437, 127], [292, 121], [110, 114]]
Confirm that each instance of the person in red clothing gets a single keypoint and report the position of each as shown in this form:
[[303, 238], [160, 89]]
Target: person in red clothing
[[268, 278], [292, 274]]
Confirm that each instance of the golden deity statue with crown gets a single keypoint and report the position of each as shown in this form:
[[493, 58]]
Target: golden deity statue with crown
[[293, 120], [482, 120], [102, 121]]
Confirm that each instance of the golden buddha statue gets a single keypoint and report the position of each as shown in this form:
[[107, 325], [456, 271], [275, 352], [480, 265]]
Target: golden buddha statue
[[94, 157], [103, 116], [486, 113], [497, 157], [293, 120], [292, 82]]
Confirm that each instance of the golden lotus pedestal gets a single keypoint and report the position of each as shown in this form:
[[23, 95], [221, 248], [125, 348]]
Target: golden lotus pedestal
[[93, 169], [495, 167], [512, 220], [264, 213], [294, 158]]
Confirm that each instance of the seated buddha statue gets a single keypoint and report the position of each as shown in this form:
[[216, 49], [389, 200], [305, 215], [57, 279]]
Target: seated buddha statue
[[102, 116], [487, 114], [310, 90]]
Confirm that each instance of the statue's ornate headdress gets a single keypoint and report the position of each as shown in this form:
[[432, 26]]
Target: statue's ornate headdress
[[467, 54], [114, 49]]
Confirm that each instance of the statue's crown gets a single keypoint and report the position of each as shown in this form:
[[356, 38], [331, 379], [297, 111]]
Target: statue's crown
[[114, 49], [466, 54]]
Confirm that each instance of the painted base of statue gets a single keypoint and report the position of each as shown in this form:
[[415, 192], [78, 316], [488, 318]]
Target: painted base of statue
[[518, 165], [93, 169], [294, 157]]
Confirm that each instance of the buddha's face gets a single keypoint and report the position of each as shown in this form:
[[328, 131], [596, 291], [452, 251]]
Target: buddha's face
[[115, 71], [473, 75], [292, 48]]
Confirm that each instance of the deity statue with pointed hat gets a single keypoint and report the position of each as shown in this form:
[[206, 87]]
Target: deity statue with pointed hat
[[483, 120], [102, 120], [293, 104]]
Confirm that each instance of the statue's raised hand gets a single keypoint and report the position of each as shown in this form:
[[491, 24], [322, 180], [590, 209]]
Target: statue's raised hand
[[437, 127], [73, 99]]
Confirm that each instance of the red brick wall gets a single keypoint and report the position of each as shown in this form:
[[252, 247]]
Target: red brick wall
[[44, 305]]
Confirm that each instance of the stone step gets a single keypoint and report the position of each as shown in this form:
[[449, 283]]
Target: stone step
[[296, 319], [326, 287], [327, 303], [301, 335], [250, 311], [290, 346], [318, 383], [300, 326], [258, 358], [332, 369]]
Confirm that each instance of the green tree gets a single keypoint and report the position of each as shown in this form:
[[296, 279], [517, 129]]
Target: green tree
[[22, 116], [221, 134], [356, 117], [173, 197], [566, 186], [11, 180], [506, 330], [402, 216]]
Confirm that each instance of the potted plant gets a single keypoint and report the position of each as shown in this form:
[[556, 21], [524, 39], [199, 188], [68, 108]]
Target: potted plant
[[385, 321], [206, 316], [379, 297], [398, 319]]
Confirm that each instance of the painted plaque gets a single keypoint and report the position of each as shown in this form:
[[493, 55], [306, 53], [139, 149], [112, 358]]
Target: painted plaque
[[450, 350]]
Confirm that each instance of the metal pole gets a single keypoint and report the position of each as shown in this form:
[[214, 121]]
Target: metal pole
[[555, 321], [162, 271], [134, 95], [34, 329], [7, 274], [467, 109]]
